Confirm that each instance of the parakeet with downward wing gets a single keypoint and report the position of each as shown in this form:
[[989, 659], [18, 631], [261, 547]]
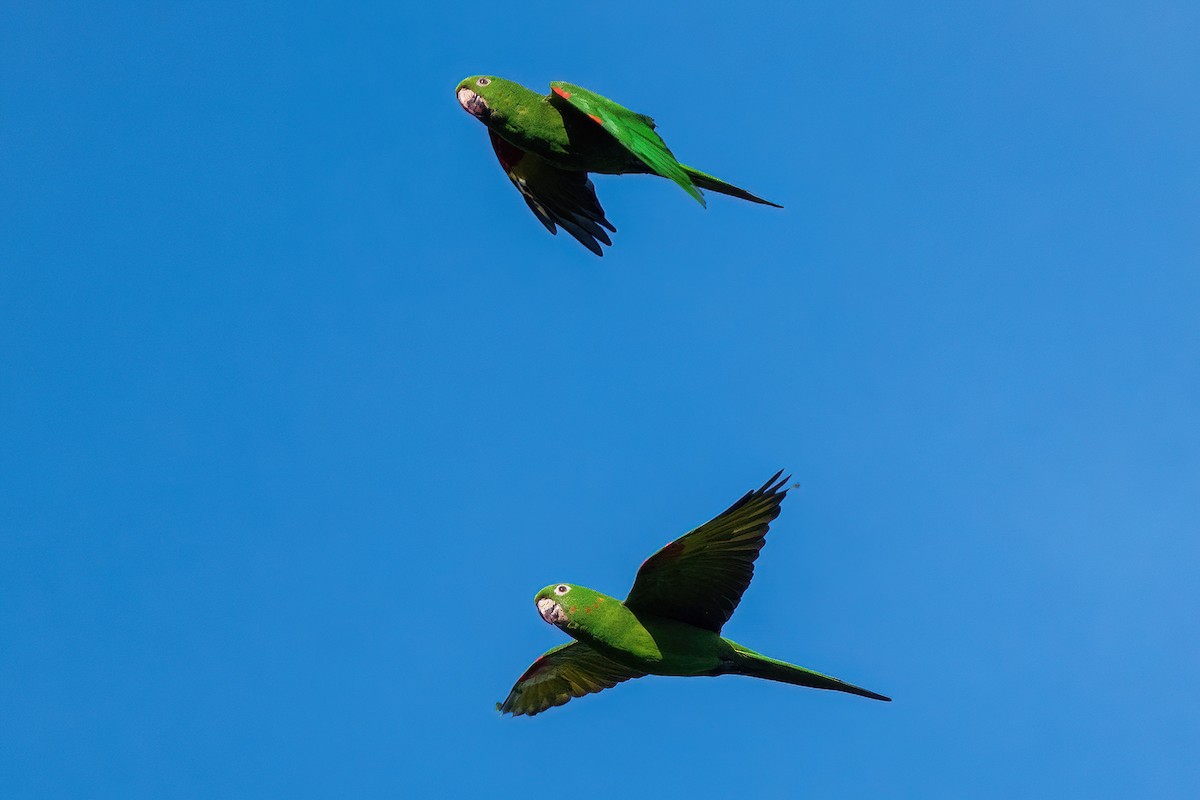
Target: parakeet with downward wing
[[670, 624], [547, 144]]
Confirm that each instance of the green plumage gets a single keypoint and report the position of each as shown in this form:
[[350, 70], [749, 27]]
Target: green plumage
[[670, 624], [547, 144], [634, 131]]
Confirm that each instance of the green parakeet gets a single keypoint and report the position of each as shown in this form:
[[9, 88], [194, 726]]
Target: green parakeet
[[547, 144], [670, 624]]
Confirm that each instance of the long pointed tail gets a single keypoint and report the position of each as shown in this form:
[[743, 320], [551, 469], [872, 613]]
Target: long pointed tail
[[748, 662], [706, 181]]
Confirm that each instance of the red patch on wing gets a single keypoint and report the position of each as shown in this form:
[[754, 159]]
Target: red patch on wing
[[667, 553], [534, 668], [509, 155], [597, 120], [563, 93], [672, 549]]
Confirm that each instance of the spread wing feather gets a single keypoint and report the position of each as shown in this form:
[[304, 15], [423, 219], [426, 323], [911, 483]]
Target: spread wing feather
[[570, 670], [556, 196], [700, 577]]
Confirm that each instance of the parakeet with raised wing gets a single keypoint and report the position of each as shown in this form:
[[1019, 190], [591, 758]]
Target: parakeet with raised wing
[[670, 624], [547, 145]]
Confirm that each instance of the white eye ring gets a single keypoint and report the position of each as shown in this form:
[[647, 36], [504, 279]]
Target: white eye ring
[[483, 82], [561, 589]]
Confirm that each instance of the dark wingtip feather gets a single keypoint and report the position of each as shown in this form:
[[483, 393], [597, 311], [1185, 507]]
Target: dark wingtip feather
[[774, 483]]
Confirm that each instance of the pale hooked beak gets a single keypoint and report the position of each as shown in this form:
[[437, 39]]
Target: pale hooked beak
[[473, 103], [551, 611]]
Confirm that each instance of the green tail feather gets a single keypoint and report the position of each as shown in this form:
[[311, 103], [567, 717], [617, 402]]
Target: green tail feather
[[706, 181], [648, 146], [759, 666]]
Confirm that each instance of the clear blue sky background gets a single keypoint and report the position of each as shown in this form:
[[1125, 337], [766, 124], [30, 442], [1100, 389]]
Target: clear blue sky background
[[300, 405]]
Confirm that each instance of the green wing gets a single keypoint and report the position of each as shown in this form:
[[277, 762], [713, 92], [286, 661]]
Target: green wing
[[570, 670], [634, 131], [700, 577], [555, 196]]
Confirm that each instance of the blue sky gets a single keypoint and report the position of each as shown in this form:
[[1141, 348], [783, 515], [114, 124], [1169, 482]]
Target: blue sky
[[300, 405]]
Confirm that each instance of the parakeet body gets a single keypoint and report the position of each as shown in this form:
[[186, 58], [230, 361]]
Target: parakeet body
[[670, 624], [547, 144]]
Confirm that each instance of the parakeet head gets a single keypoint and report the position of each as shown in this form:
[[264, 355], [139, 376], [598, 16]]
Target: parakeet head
[[486, 96], [471, 95], [564, 604]]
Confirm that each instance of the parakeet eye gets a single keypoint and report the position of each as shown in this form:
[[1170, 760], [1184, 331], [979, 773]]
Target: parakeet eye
[[561, 589], [483, 81]]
